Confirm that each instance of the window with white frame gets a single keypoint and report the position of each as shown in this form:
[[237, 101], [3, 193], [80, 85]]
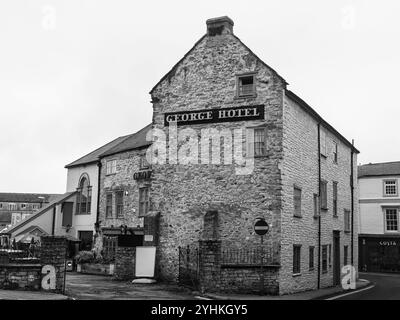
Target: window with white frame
[[111, 166], [391, 220], [390, 187]]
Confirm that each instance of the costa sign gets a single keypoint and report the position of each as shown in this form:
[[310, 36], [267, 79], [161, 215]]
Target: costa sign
[[244, 113]]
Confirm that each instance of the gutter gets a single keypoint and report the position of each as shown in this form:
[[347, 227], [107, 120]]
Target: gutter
[[54, 221], [319, 207]]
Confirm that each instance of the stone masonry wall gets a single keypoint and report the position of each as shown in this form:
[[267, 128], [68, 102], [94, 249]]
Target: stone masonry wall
[[184, 193], [127, 164], [53, 252], [300, 168]]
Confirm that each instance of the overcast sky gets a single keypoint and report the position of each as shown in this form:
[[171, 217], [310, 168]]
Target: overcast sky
[[76, 74]]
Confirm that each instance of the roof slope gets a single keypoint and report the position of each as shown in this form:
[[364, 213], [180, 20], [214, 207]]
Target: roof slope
[[134, 141], [124, 143], [94, 155], [33, 216], [26, 197], [314, 114], [379, 169]]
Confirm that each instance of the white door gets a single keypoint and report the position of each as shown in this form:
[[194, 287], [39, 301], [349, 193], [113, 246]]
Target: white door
[[145, 261]]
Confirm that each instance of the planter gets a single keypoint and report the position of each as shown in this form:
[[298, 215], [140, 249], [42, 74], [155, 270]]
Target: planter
[[96, 268]]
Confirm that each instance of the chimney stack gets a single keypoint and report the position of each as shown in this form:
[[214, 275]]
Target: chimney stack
[[219, 26]]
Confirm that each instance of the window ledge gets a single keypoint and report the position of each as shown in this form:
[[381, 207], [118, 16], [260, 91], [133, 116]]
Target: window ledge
[[253, 96], [296, 274], [297, 216]]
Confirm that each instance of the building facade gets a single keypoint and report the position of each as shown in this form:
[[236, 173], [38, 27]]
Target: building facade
[[379, 235], [282, 162], [15, 207]]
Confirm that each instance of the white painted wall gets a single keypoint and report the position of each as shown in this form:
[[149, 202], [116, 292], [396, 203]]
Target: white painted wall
[[372, 203], [83, 222]]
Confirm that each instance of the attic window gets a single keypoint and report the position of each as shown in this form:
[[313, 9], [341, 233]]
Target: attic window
[[246, 86]]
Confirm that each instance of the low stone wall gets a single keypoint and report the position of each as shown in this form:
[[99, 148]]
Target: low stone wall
[[22, 276], [217, 277], [249, 279], [17, 272]]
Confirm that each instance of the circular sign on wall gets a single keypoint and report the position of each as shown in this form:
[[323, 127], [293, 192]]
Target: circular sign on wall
[[261, 227]]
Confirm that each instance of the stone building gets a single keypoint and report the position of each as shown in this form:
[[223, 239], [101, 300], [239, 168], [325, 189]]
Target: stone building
[[125, 182], [379, 233], [280, 161]]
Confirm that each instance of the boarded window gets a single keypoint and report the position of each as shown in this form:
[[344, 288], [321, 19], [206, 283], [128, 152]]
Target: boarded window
[[316, 205], [346, 220], [345, 255], [296, 258], [297, 201], [109, 213], [324, 195], [311, 258], [335, 197], [324, 258]]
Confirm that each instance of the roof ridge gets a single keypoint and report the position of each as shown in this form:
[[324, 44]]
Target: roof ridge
[[378, 163]]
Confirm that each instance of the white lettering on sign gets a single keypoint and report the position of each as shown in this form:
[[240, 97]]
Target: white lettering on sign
[[261, 228], [387, 243], [49, 279]]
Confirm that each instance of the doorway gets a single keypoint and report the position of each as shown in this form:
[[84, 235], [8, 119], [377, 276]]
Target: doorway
[[336, 258]]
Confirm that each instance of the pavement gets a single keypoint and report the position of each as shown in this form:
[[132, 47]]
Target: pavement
[[30, 295], [98, 287], [321, 294], [371, 286]]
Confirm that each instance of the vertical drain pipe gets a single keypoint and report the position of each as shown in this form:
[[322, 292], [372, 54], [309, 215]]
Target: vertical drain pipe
[[352, 202], [319, 205]]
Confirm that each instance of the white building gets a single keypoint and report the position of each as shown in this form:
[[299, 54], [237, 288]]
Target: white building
[[379, 234]]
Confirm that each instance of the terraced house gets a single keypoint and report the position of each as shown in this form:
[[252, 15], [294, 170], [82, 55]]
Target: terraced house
[[280, 161]]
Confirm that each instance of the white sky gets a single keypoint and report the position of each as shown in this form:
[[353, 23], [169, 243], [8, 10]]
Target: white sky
[[76, 74]]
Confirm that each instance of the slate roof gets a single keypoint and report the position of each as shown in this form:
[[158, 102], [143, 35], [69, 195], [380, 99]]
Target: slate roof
[[379, 169], [134, 141], [124, 143], [26, 197]]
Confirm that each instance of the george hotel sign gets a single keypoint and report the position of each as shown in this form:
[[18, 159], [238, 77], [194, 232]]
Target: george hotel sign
[[244, 113]]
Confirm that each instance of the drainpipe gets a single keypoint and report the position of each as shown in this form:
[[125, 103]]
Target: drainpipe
[[98, 192], [319, 207], [352, 202], [54, 220]]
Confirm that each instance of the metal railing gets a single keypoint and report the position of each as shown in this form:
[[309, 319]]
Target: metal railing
[[247, 256]]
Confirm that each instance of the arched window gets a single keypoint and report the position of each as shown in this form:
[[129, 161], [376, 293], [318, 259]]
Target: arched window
[[84, 197]]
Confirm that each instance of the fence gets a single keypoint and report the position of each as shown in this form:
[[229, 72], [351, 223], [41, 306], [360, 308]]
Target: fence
[[109, 248], [189, 266], [247, 256]]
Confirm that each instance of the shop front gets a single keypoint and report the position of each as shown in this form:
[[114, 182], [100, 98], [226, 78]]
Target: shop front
[[379, 253]]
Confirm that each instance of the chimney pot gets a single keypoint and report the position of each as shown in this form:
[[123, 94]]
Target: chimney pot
[[219, 26]]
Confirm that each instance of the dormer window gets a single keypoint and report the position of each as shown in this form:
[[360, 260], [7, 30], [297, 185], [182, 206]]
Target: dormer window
[[246, 85]]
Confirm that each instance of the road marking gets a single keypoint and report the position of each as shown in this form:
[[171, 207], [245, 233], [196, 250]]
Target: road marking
[[349, 293], [202, 298]]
